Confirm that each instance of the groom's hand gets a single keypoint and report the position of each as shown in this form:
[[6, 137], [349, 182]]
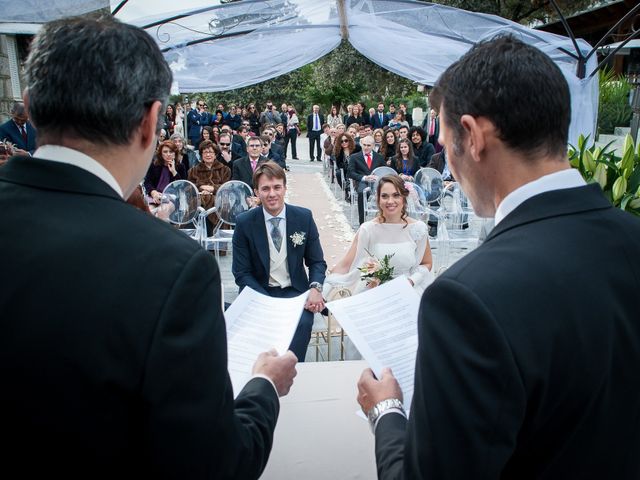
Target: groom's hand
[[315, 302]]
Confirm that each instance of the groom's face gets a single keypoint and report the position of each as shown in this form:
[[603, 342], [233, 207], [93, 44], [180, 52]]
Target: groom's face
[[271, 192]]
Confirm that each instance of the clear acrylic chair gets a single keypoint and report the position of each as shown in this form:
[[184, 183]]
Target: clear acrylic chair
[[232, 199]]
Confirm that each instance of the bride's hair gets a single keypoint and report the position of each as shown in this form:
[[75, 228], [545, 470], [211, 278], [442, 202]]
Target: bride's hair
[[397, 182]]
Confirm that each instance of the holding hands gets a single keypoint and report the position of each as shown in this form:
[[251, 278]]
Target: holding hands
[[315, 302]]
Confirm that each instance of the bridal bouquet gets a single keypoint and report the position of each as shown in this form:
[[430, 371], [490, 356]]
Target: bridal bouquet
[[376, 271]]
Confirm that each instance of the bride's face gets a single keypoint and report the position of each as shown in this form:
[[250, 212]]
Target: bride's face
[[391, 201]]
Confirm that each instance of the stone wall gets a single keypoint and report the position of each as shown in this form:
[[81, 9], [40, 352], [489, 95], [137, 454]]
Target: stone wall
[[6, 91]]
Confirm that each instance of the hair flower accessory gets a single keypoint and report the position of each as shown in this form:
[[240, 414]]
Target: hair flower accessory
[[297, 238]]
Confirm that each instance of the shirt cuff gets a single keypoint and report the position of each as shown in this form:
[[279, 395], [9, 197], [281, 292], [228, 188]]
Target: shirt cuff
[[260, 375], [391, 410]]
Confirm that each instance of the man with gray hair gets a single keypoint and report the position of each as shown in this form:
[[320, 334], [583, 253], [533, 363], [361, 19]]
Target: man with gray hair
[[361, 166], [19, 131], [113, 346]]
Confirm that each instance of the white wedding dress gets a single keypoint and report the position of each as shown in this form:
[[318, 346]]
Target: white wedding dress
[[407, 244]]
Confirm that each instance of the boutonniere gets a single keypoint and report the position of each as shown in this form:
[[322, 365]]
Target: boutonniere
[[297, 238]]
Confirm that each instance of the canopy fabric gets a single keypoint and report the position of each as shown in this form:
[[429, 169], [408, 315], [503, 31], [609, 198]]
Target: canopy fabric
[[215, 47]]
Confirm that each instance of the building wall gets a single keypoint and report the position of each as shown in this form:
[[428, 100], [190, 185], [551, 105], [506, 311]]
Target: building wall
[[8, 85]]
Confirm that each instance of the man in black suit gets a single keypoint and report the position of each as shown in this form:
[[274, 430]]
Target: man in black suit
[[526, 345], [271, 246], [314, 130], [19, 131], [360, 166], [243, 168], [113, 348], [239, 142]]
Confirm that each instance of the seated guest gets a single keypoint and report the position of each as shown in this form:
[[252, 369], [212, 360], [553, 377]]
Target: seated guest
[[404, 161], [226, 156], [239, 142], [243, 168], [19, 131], [360, 169], [268, 152], [439, 162], [186, 155], [378, 136], [272, 245], [208, 176], [391, 232], [163, 170], [206, 134], [388, 146], [398, 121], [421, 149]]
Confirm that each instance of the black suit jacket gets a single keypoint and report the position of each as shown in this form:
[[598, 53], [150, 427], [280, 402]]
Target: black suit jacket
[[251, 250], [310, 131], [528, 347], [358, 168], [9, 131], [242, 170], [113, 350]]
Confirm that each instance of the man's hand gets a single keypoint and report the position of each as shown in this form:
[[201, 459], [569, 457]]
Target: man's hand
[[20, 152], [280, 369], [315, 302], [372, 391]]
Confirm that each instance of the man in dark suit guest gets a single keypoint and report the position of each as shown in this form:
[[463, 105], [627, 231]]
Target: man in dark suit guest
[[19, 131], [113, 345], [239, 143], [526, 344], [272, 244], [360, 166], [379, 119], [314, 130], [243, 168], [196, 119], [439, 162]]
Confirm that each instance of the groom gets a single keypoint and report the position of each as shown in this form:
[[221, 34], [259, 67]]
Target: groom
[[272, 244]]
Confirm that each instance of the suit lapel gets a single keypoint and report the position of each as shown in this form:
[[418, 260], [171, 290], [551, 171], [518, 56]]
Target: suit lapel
[[261, 240]]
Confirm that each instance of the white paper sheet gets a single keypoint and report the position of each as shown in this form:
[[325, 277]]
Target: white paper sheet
[[257, 323], [382, 324]]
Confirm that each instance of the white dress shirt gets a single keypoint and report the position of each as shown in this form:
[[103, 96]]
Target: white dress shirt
[[569, 178], [57, 153]]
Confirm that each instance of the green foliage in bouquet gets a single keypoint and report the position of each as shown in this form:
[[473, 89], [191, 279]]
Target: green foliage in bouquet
[[619, 178], [613, 107], [376, 271]]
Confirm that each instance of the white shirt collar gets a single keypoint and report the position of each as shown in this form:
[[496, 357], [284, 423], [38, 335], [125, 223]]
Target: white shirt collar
[[569, 178], [268, 216], [57, 153]]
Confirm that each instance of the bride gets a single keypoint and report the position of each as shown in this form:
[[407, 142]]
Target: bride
[[393, 233]]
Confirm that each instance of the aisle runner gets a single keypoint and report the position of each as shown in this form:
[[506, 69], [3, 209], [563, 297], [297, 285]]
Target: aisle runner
[[309, 190]]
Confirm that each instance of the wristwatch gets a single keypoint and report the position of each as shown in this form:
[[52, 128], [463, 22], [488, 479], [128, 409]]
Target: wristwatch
[[316, 285], [381, 407]]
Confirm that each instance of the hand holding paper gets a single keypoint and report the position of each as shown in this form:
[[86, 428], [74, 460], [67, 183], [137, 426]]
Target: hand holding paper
[[281, 369], [372, 391]]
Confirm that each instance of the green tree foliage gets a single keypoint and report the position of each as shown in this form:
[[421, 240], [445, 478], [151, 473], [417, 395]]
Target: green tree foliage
[[343, 76], [613, 108], [522, 11]]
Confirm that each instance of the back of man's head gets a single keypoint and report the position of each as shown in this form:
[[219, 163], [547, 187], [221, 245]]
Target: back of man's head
[[514, 85], [93, 80]]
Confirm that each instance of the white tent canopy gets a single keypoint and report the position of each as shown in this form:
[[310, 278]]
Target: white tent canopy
[[215, 47]]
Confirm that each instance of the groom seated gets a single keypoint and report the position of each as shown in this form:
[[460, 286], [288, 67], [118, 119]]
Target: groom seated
[[272, 244]]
